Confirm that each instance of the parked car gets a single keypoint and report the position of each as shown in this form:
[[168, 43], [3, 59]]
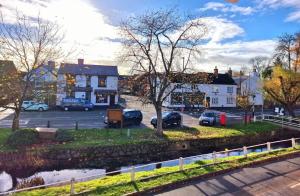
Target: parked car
[[130, 117], [76, 104], [34, 106], [169, 118], [209, 117]]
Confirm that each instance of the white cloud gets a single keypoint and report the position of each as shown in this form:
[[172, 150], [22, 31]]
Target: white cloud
[[82, 23], [221, 28], [216, 6], [294, 4]]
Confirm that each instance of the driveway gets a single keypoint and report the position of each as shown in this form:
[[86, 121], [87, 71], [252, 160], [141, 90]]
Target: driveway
[[278, 178]]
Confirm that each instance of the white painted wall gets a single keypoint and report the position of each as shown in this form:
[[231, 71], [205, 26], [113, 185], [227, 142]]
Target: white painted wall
[[253, 85], [208, 89]]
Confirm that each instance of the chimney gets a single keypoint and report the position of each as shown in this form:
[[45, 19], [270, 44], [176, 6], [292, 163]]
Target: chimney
[[230, 72], [51, 63], [216, 71], [80, 61]]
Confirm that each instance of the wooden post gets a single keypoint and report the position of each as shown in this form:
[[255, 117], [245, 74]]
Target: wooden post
[[293, 143], [72, 190], [214, 155], [245, 151], [269, 146], [132, 174], [181, 164]]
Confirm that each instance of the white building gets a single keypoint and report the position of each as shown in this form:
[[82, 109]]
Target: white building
[[253, 86], [217, 90], [96, 83]]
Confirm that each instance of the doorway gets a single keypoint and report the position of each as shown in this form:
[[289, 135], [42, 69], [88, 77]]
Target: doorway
[[112, 100]]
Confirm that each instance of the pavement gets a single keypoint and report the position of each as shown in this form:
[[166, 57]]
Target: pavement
[[278, 178], [95, 119]]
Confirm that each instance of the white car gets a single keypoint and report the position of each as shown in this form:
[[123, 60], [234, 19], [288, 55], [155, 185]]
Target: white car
[[209, 117], [34, 106]]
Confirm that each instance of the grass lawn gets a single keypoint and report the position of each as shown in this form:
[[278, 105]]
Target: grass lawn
[[120, 184], [105, 137]]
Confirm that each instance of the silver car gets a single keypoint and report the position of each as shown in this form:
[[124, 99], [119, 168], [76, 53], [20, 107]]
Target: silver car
[[209, 117]]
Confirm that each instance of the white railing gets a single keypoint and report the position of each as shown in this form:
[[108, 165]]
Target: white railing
[[282, 120], [180, 162]]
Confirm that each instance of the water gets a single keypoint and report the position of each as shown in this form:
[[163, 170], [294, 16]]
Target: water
[[8, 181]]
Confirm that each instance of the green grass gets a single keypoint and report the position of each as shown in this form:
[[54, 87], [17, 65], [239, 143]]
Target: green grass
[[120, 184], [107, 137]]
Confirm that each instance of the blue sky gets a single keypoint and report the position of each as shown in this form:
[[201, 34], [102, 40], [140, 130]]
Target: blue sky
[[237, 31]]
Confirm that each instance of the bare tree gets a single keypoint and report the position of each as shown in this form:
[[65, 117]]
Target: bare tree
[[153, 43], [260, 63], [29, 43]]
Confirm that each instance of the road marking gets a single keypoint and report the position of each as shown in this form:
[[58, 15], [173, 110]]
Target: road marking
[[295, 185]]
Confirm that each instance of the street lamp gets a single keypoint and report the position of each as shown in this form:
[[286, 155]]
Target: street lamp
[[253, 106]]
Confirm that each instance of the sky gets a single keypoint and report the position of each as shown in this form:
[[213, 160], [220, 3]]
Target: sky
[[237, 32]]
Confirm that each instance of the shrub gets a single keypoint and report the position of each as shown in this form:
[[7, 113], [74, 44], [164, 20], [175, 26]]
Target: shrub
[[36, 181], [64, 136], [23, 137]]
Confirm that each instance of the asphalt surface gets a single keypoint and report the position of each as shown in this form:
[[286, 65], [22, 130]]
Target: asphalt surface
[[95, 119], [279, 178]]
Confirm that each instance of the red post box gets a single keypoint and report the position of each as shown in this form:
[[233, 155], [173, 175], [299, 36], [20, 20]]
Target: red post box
[[223, 119]]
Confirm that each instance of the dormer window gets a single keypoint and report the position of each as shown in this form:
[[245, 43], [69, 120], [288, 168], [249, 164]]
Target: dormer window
[[101, 81]]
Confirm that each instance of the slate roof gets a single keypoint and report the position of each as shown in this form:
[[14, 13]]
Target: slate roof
[[204, 78], [87, 69]]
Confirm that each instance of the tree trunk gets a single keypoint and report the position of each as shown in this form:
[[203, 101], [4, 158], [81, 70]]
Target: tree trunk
[[290, 109], [16, 120], [159, 128]]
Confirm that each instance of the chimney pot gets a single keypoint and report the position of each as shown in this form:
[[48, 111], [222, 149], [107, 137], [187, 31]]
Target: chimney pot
[[216, 72], [80, 61]]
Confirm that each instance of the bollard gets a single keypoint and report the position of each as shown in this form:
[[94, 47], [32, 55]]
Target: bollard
[[254, 119], [76, 125], [181, 163], [72, 191], [293, 143], [268, 146], [245, 151], [48, 124], [132, 174], [128, 132], [214, 155]]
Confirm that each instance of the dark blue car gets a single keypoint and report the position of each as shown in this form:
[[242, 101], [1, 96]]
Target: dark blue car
[[76, 104]]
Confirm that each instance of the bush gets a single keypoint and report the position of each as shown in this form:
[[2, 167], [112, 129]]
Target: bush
[[64, 136], [36, 181], [23, 137]]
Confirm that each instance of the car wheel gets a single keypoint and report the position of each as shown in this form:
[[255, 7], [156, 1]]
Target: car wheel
[[66, 108], [41, 109], [179, 123], [86, 109]]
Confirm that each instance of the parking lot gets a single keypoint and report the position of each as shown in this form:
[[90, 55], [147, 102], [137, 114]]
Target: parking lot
[[95, 118]]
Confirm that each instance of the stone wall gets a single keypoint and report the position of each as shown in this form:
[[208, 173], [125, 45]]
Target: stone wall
[[112, 157]]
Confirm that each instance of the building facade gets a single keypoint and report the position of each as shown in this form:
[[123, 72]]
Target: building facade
[[219, 90], [95, 83]]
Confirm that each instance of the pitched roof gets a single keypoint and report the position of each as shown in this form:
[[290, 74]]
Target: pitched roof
[[204, 78], [87, 69]]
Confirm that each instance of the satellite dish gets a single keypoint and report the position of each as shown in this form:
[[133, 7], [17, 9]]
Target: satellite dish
[[232, 1]]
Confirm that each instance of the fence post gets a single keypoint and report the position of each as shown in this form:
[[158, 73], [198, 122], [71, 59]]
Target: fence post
[[227, 152], [72, 191], [132, 174], [268, 146], [128, 132], [76, 125], [293, 143], [214, 155], [254, 118], [181, 163], [48, 124], [245, 151]]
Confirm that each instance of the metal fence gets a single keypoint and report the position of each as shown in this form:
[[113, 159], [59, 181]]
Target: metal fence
[[282, 120], [180, 163]]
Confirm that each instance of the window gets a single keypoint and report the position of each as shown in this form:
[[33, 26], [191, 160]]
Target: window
[[229, 89], [178, 86], [101, 81], [230, 100], [215, 100], [194, 87], [101, 98], [176, 98], [215, 89], [88, 81]]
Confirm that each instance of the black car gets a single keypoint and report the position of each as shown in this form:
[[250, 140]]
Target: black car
[[169, 119], [130, 117]]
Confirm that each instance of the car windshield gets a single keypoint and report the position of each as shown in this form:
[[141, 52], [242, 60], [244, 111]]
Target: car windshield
[[208, 114]]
